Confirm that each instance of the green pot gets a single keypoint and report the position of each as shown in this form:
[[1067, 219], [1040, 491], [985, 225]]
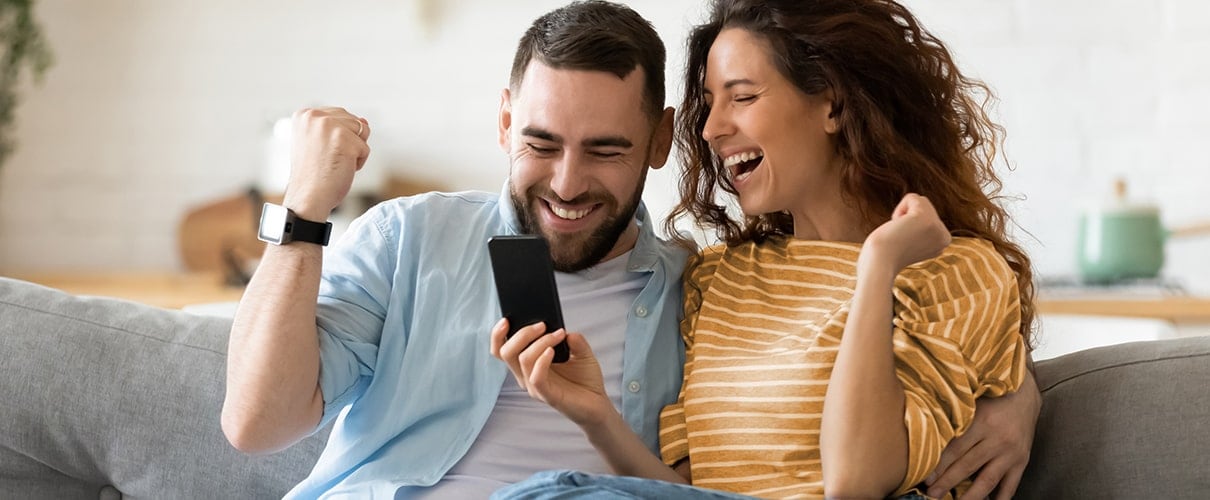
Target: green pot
[[1121, 243]]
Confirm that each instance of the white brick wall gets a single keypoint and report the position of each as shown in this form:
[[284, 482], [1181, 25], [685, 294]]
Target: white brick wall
[[154, 106], [1091, 90], [1186, 20]]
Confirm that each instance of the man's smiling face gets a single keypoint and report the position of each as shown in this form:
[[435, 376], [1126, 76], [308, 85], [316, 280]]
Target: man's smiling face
[[579, 145]]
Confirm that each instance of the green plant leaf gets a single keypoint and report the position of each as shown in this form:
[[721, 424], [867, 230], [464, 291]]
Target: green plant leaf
[[24, 51]]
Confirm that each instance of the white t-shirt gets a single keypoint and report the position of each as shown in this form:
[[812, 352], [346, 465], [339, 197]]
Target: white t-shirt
[[524, 435]]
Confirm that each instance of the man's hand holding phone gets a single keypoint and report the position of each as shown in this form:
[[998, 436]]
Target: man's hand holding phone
[[525, 284], [575, 388], [555, 367]]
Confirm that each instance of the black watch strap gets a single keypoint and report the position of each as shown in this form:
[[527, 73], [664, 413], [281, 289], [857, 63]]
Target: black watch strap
[[279, 226], [310, 232]]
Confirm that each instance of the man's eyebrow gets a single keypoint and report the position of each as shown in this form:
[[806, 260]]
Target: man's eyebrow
[[538, 133], [616, 141]]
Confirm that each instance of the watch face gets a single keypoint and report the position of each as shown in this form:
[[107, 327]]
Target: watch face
[[272, 224]]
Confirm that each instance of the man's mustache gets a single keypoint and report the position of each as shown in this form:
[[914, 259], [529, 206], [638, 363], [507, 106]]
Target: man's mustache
[[583, 199]]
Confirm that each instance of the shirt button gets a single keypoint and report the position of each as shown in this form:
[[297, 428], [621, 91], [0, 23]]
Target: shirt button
[[634, 386], [641, 311]]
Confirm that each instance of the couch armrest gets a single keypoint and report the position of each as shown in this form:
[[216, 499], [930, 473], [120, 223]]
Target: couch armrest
[[1124, 421], [109, 392]]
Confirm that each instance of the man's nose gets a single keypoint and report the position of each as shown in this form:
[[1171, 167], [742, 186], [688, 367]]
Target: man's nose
[[570, 178]]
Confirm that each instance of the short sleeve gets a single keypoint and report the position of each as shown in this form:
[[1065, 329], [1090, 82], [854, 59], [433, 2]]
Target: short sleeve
[[957, 338], [674, 438], [674, 443]]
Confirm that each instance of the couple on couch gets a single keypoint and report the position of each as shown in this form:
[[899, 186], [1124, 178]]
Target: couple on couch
[[838, 340]]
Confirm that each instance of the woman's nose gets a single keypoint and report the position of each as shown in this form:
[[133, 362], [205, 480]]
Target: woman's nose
[[717, 125]]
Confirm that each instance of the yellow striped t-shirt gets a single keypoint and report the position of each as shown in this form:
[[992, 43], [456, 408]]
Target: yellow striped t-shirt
[[762, 326]]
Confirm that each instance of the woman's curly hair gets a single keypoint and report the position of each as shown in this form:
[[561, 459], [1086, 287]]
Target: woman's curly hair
[[909, 121]]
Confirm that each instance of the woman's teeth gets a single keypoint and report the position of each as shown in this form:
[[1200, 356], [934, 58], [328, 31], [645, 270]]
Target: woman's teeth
[[741, 165], [738, 158], [569, 214]]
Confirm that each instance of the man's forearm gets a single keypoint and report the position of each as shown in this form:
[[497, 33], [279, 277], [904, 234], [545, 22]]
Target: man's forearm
[[625, 451], [273, 397]]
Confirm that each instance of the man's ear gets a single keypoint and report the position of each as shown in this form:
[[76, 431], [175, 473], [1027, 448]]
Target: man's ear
[[505, 121], [661, 140]]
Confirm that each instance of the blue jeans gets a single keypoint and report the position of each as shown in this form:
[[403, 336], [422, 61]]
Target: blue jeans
[[566, 484]]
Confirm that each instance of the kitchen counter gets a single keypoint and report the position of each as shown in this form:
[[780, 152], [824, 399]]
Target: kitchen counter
[[177, 290], [168, 290], [1177, 309]]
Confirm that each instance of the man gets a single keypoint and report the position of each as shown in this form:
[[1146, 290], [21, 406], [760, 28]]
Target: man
[[391, 338]]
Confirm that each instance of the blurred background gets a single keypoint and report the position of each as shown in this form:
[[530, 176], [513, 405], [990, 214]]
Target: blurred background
[[155, 108]]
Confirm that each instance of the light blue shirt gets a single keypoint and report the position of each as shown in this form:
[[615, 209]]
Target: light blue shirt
[[406, 304]]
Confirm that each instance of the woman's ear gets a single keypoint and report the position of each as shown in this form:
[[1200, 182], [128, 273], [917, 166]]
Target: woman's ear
[[832, 107]]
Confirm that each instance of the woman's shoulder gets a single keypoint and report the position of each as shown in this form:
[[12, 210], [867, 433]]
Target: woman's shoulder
[[718, 252], [778, 248], [703, 265], [963, 255], [966, 267], [714, 251]]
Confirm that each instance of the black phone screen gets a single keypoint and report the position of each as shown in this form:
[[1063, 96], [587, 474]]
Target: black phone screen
[[525, 283]]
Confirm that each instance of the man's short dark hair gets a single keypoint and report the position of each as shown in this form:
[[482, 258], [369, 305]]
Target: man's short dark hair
[[595, 35]]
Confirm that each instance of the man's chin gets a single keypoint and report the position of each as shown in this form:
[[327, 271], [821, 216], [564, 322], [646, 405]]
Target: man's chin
[[574, 251], [570, 250]]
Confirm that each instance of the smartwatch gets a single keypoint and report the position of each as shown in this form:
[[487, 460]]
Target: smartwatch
[[279, 225]]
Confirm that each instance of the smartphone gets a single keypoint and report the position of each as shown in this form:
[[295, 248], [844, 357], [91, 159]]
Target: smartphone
[[525, 283]]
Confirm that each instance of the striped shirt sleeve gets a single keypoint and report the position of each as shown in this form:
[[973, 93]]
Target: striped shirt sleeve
[[674, 443], [957, 337]]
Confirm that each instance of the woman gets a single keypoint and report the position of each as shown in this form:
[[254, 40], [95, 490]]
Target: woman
[[856, 149]]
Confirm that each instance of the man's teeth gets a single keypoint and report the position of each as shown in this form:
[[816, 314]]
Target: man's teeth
[[738, 158], [569, 214]]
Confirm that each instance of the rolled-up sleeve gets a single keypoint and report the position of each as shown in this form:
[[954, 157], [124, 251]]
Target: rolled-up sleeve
[[674, 438], [353, 296], [674, 442], [957, 338]]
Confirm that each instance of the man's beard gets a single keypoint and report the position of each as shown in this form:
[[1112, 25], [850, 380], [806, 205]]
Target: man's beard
[[576, 252]]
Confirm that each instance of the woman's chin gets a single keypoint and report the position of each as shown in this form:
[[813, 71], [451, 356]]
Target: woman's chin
[[751, 207]]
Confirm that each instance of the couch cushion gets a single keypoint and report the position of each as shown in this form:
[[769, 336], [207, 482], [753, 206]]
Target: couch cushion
[[1124, 421], [108, 392]]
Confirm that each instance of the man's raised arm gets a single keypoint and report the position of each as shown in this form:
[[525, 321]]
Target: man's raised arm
[[273, 395]]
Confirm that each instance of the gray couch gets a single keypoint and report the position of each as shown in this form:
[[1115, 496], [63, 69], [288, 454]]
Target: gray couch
[[105, 398]]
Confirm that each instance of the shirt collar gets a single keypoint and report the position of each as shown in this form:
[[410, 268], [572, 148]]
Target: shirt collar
[[508, 213]]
